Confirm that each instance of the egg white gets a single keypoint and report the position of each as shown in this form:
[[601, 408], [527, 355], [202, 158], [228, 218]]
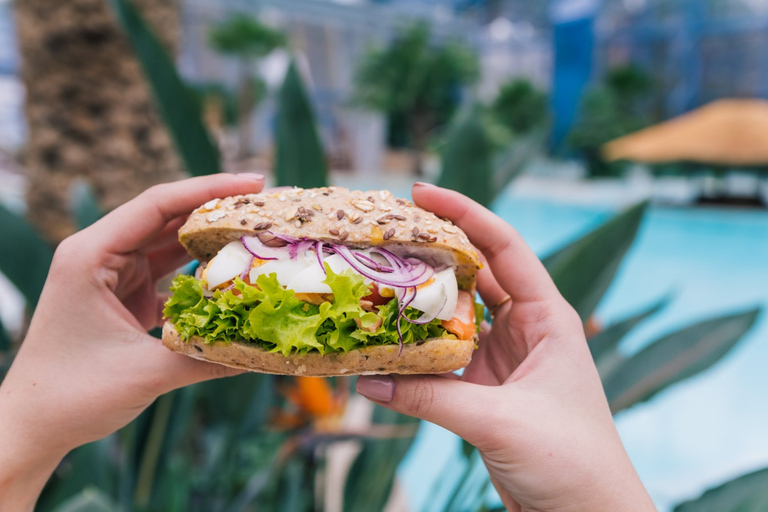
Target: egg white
[[231, 261], [310, 280], [285, 269], [439, 297]]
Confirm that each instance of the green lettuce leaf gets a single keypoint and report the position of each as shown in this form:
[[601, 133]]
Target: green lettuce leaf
[[272, 317]]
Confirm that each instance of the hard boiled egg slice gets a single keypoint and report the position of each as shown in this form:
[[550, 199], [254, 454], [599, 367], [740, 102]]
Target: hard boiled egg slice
[[438, 296], [310, 280], [231, 262], [287, 269]]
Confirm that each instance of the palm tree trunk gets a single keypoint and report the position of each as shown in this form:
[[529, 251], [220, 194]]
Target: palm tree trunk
[[90, 113]]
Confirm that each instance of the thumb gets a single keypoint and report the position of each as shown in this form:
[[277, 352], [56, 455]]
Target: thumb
[[451, 403]]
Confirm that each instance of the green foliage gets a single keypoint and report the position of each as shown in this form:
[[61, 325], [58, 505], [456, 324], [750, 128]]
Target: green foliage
[[89, 500], [5, 340], [244, 36], [24, 256], [520, 106], [584, 270], [84, 204], [372, 475], [675, 357], [604, 345], [178, 108], [747, 493], [480, 157], [609, 111], [227, 99], [467, 159], [416, 81], [299, 156]]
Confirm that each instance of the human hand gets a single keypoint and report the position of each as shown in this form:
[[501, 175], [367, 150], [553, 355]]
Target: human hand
[[87, 366], [531, 400]]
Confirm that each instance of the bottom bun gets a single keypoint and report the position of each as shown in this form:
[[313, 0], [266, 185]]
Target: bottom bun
[[432, 356]]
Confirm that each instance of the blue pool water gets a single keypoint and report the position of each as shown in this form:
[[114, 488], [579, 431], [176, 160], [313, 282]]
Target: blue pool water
[[707, 429]]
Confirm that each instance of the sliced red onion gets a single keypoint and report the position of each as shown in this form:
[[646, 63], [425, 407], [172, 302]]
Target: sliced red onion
[[404, 302], [255, 246], [294, 249], [371, 263], [401, 276], [248, 268], [319, 253]]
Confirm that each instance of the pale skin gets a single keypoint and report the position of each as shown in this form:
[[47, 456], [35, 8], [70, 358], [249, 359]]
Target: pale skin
[[531, 400]]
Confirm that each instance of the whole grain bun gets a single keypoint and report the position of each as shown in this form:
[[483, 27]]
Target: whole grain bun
[[336, 215], [432, 356]]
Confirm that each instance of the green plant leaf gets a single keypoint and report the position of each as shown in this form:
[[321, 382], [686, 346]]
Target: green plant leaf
[[84, 204], [177, 105], [747, 493], [372, 475], [5, 340], [467, 158], [24, 256], [90, 466], [675, 357], [604, 344], [89, 500], [513, 160], [299, 158], [584, 269]]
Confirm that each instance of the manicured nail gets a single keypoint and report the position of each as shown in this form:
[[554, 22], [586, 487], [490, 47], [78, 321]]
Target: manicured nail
[[379, 388], [250, 176], [422, 184]]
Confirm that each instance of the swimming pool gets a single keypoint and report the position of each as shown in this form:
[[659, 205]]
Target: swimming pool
[[707, 429]]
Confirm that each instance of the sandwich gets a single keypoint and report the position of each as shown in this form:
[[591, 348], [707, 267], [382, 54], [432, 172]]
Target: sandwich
[[325, 282]]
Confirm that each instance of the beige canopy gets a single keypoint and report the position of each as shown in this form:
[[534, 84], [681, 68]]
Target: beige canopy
[[725, 132]]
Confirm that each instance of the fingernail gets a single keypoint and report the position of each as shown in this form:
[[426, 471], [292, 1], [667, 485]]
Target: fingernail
[[250, 175], [379, 388], [422, 184]]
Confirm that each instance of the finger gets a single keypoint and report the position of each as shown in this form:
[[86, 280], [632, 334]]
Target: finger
[[452, 404], [168, 259], [167, 370], [131, 226], [159, 307], [168, 235], [515, 266], [489, 289]]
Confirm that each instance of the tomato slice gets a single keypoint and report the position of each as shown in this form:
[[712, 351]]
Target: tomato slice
[[463, 322], [375, 297]]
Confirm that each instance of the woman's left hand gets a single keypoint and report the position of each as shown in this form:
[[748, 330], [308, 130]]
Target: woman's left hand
[[87, 366]]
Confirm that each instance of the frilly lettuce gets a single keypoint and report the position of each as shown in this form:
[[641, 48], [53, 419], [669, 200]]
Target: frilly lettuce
[[272, 317]]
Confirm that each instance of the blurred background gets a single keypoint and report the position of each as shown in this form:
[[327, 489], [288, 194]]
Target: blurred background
[[627, 140]]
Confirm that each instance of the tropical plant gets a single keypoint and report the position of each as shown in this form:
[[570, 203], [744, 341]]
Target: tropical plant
[[247, 39], [520, 106], [299, 155], [480, 157], [608, 111], [416, 80], [746, 493], [110, 134], [227, 445]]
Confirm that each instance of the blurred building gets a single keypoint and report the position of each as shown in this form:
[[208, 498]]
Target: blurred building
[[330, 38], [697, 50]]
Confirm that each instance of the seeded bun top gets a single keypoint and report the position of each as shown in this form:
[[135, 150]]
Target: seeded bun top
[[335, 215]]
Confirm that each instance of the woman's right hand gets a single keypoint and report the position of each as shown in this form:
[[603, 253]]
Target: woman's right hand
[[531, 400]]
